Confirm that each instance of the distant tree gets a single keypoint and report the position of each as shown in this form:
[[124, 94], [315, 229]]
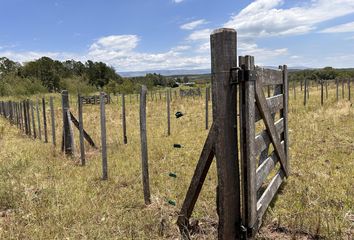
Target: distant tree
[[7, 66], [185, 79]]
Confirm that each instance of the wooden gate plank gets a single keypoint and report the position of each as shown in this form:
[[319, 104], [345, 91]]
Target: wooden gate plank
[[274, 103], [265, 168], [263, 140], [269, 122], [269, 193], [269, 76]]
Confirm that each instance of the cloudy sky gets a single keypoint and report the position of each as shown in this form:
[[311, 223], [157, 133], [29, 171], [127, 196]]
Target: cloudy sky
[[133, 35]]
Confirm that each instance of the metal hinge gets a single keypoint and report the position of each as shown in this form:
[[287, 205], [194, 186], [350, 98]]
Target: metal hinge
[[242, 75]]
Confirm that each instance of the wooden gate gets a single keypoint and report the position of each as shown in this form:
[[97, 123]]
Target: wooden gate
[[262, 153], [244, 191]]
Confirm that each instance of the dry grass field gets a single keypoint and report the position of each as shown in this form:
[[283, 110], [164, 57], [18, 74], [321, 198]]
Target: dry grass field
[[44, 195]]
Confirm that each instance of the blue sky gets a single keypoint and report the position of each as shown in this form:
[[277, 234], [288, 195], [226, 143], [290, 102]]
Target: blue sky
[[137, 35]]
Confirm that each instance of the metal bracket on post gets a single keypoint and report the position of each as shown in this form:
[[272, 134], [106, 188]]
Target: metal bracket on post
[[242, 75]]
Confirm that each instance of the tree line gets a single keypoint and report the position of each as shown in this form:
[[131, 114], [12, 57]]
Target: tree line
[[327, 73], [48, 75]]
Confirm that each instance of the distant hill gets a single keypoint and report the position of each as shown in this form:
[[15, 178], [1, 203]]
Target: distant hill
[[178, 72], [182, 72]]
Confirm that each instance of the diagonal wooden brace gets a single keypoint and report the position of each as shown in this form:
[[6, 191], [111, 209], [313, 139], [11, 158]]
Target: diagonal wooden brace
[[269, 122], [205, 160]]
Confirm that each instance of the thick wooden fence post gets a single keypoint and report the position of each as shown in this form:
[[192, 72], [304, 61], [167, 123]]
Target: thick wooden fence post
[[294, 86], [33, 120], [342, 88], [124, 122], [103, 137], [38, 121], [52, 114], [81, 131], [321, 92], [223, 59], [305, 92], [24, 115], [67, 131], [44, 121], [28, 117], [144, 149], [168, 113]]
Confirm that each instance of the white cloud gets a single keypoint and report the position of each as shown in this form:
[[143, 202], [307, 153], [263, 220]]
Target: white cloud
[[264, 18], [181, 48], [347, 27], [193, 25], [198, 35], [261, 18], [32, 55], [119, 51]]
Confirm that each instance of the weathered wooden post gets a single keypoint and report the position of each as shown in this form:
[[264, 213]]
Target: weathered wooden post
[[294, 86], [103, 137], [168, 112], [337, 87], [247, 135], [348, 89], [24, 115], [321, 92], [342, 88], [67, 130], [144, 149], [223, 59], [124, 123], [305, 92], [44, 121], [81, 131], [28, 117], [52, 114], [38, 121], [33, 120]]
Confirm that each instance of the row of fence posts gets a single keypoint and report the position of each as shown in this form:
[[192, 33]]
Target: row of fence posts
[[23, 115], [324, 84], [26, 116]]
